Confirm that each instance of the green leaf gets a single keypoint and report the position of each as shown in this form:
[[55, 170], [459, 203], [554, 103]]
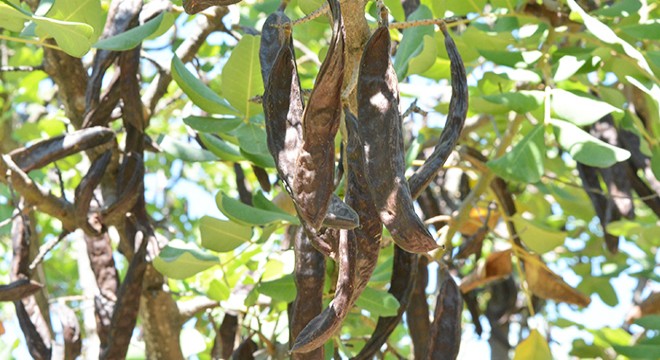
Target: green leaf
[[12, 19], [524, 162], [520, 102], [241, 76], [536, 236], [600, 286], [567, 66], [396, 10], [132, 37], [534, 347], [649, 322], [74, 38], [81, 11], [412, 43], [260, 201], [248, 215], [607, 35], [185, 151], [650, 31], [264, 160], [222, 149], [585, 148], [200, 94], [514, 59], [223, 236], [639, 351], [580, 110], [252, 138], [212, 125], [180, 260], [218, 290], [282, 289], [378, 302], [425, 59]]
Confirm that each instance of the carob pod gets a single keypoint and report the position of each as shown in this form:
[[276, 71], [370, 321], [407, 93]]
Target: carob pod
[[313, 182], [382, 141], [446, 327], [47, 151], [367, 241], [422, 178], [404, 275], [85, 191], [309, 275], [283, 110], [16, 290], [458, 106], [323, 326], [417, 313]]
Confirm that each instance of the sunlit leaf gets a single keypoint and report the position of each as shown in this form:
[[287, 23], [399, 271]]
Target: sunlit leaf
[[538, 237], [220, 148], [533, 347], [132, 37], [378, 302], [180, 260], [282, 289], [218, 290], [607, 35], [585, 148], [413, 41], [525, 161], [200, 94], [579, 110], [222, 236], [241, 76], [249, 215]]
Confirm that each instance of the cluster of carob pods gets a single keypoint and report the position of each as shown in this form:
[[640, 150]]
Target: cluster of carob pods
[[301, 139]]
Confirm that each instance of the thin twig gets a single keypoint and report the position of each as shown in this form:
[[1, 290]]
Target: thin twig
[[451, 21], [21, 68], [313, 15], [45, 248]]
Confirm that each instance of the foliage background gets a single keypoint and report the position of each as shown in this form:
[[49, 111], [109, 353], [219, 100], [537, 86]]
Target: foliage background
[[540, 73]]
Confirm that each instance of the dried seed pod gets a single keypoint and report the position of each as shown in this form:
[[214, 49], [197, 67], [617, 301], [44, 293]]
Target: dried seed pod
[[85, 191], [381, 135], [458, 106], [19, 289], [404, 274], [309, 275], [446, 327], [283, 110], [323, 326], [314, 178], [47, 151], [358, 197], [126, 309], [417, 313]]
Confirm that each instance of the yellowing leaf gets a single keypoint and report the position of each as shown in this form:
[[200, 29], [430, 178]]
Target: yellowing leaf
[[497, 266], [534, 347], [536, 236], [546, 284]]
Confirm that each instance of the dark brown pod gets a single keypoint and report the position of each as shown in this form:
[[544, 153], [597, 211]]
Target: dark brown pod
[[194, 6], [315, 166], [446, 327], [404, 274], [47, 151], [85, 191], [323, 326], [382, 141], [458, 106], [358, 197], [283, 110], [309, 275], [19, 289]]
